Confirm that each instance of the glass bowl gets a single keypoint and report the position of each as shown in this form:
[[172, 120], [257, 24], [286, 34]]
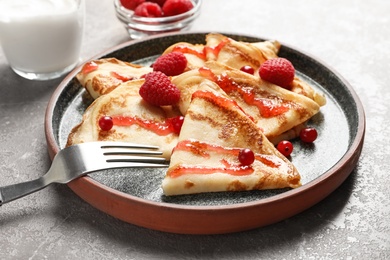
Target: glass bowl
[[139, 27]]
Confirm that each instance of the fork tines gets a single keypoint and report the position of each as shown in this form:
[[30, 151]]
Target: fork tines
[[130, 152]]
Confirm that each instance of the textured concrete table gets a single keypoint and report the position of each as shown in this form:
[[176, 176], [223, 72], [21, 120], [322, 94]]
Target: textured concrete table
[[352, 223]]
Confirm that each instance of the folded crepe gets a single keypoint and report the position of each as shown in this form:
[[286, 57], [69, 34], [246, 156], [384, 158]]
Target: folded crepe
[[273, 109], [205, 159], [100, 77], [134, 120]]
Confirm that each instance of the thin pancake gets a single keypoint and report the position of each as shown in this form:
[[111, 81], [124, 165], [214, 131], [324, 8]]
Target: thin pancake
[[237, 54], [100, 77], [215, 129], [134, 120], [275, 110]]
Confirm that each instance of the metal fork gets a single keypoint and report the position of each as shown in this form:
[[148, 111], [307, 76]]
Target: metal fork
[[78, 160]]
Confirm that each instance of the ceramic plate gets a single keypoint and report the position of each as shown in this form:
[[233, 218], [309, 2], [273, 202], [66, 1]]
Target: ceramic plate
[[135, 196]]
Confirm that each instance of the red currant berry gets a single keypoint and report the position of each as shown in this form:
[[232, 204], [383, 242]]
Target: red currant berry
[[308, 134], [106, 123], [285, 147], [248, 69], [177, 123], [246, 156]]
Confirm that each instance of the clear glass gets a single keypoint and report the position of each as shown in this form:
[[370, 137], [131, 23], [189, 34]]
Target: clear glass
[[41, 39], [139, 27]]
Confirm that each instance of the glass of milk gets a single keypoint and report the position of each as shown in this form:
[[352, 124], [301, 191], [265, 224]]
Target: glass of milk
[[41, 39]]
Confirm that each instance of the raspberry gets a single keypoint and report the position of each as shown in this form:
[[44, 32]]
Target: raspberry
[[159, 2], [158, 90], [278, 71], [148, 9], [171, 64], [175, 7], [131, 4]]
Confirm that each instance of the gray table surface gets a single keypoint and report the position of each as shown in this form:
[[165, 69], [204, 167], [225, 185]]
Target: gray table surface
[[352, 36]]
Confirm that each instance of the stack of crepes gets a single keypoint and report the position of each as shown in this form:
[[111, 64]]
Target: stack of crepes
[[225, 110]]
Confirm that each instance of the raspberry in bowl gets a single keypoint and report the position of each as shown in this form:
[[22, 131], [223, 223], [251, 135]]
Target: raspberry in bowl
[[142, 18]]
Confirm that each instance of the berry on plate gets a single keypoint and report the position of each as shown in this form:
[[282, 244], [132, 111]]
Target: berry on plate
[[131, 4], [148, 9], [175, 7], [278, 71], [308, 134], [171, 64], [285, 147], [158, 90]]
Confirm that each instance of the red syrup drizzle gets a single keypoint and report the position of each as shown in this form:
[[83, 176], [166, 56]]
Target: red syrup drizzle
[[218, 100], [161, 128], [215, 50], [89, 67], [122, 78], [267, 107], [204, 149], [188, 50], [201, 54], [207, 73]]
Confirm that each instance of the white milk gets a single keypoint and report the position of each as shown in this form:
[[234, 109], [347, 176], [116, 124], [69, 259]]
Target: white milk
[[41, 39]]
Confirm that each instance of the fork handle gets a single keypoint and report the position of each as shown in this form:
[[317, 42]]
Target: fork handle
[[16, 191]]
